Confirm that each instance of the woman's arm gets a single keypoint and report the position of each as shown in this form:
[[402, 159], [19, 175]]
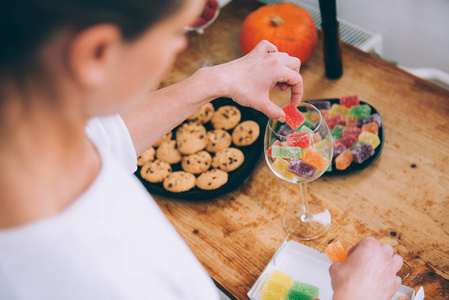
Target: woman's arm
[[247, 80]]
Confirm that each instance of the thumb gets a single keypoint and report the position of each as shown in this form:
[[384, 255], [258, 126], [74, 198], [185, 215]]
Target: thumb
[[271, 110]]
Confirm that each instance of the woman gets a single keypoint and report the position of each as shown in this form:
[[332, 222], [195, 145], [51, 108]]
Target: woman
[[74, 111]]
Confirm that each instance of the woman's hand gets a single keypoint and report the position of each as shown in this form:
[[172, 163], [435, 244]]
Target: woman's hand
[[368, 273], [248, 80]]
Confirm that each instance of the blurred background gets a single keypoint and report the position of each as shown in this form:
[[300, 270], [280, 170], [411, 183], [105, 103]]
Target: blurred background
[[413, 34]]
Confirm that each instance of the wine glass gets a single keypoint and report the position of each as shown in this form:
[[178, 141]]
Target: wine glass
[[301, 156], [208, 16]]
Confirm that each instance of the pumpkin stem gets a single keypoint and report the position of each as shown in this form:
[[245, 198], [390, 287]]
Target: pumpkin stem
[[276, 20]]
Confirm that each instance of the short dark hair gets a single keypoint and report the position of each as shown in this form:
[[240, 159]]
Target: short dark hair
[[25, 25]]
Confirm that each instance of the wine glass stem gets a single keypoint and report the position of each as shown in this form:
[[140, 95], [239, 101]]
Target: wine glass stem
[[203, 47], [307, 216]]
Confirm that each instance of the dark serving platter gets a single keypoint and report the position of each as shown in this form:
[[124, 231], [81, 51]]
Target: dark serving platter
[[355, 167], [252, 153]]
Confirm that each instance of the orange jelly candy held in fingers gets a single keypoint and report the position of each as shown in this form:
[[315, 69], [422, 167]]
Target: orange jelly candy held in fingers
[[336, 252], [293, 116]]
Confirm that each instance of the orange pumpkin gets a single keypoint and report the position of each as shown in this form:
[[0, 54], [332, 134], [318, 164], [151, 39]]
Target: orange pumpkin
[[286, 25]]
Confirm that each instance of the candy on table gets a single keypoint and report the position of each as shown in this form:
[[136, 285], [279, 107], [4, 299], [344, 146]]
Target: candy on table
[[321, 104], [278, 283], [321, 145], [305, 288], [299, 139], [270, 150], [361, 111], [362, 153], [325, 113], [373, 118], [351, 121], [368, 137], [337, 132], [337, 109], [286, 152], [346, 142], [349, 101], [295, 295], [293, 116], [403, 298], [284, 130], [315, 159], [371, 127], [352, 131], [337, 152], [335, 120], [301, 168], [343, 160], [356, 145], [336, 252]]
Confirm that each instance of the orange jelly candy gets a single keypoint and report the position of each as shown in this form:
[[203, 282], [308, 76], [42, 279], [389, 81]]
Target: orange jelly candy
[[343, 160], [315, 159], [336, 253], [371, 127], [351, 121]]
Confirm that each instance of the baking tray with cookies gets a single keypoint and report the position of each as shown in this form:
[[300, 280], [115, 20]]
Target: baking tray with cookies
[[209, 155]]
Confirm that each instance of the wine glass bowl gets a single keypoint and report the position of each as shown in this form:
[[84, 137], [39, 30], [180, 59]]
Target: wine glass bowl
[[301, 156]]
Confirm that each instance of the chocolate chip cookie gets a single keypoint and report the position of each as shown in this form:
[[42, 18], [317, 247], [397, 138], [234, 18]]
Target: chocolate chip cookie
[[197, 163], [228, 159], [179, 181], [146, 157], [155, 171], [245, 133], [191, 138], [218, 139], [212, 179], [226, 117], [203, 115], [168, 152], [165, 138]]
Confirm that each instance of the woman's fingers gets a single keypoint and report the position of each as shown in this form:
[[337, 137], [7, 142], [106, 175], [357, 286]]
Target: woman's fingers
[[265, 47]]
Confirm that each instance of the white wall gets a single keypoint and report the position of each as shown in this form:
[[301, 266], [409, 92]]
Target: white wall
[[415, 33]]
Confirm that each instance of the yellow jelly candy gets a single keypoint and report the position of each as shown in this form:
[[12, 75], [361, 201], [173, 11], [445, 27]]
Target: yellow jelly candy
[[281, 165], [337, 109], [370, 138], [322, 145]]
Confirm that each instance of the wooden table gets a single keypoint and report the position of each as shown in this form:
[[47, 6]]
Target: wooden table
[[402, 199]]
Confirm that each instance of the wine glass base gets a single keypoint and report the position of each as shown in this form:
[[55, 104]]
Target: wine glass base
[[206, 62], [307, 227]]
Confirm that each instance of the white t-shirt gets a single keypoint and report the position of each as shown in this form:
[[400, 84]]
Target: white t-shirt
[[111, 243]]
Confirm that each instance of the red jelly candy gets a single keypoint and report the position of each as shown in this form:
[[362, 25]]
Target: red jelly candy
[[352, 131], [212, 4], [293, 116], [299, 139], [208, 14], [350, 101], [346, 142], [335, 120]]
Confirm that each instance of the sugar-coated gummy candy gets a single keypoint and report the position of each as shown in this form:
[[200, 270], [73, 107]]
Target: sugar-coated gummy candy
[[293, 116], [346, 142], [275, 288], [284, 130], [371, 127], [337, 132], [351, 131], [321, 104], [315, 159], [337, 152], [350, 101], [335, 120], [271, 296], [351, 121], [304, 128], [301, 168], [281, 277], [356, 145], [337, 109], [320, 129], [281, 166], [314, 116], [294, 295], [326, 113], [321, 145], [368, 137], [305, 288], [270, 150], [308, 123], [343, 160], [361, 111], [336, 252], [299, 139], [362, 153], [316, 138], [373, 118], [286, 152]]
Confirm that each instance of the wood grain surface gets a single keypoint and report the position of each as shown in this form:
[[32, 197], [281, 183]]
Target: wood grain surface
[[402, 199]]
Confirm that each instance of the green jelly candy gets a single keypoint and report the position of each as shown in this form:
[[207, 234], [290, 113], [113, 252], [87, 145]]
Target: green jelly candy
[[305, 288], [307, 125], [286, 152], [337, 132], [295, 295], [356, 145], [360, 111], [329, 169], [304, 128]]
